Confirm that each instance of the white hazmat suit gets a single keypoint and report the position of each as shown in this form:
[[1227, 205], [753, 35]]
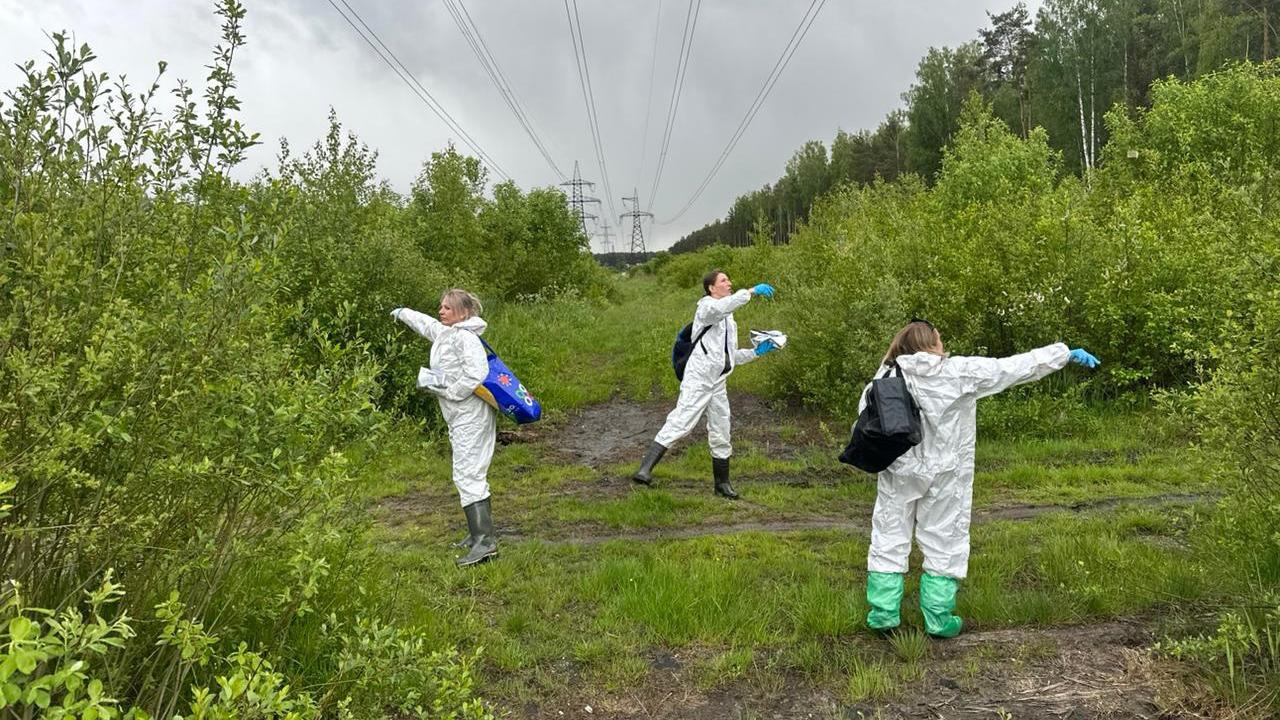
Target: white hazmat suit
[[930, 488], [457, 353], [703, 388]]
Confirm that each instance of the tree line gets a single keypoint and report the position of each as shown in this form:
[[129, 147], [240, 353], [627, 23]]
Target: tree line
[[1061, 70]]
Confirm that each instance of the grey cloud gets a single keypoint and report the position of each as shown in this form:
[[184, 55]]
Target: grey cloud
[[302, 58]]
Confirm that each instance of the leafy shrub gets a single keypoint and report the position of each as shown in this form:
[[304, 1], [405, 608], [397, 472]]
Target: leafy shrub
[[686, 269], [352, 250], [1241, 657], [54, 664], [185, 364], [1141, 263]]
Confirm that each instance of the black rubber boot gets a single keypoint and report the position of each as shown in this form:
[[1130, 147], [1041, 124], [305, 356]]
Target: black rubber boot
[[720, 470], [485, 543], [466, 542], [644, 475]]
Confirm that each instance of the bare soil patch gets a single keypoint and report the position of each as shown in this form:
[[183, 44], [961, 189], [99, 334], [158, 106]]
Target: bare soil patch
[[620, 430], [584, 535], [1079, 672]]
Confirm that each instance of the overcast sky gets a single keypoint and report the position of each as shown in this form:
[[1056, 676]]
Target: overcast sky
[[302, 57]]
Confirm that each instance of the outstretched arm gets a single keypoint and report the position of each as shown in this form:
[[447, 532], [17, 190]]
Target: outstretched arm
[[421, 323], [988, 376], [711, 312]]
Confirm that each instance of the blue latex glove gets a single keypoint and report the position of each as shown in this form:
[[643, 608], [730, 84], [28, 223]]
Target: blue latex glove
[[764, 289], [767, 346], [1081, 356]]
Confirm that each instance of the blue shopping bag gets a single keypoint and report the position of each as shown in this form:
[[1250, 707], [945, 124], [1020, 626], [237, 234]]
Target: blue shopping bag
[[504, 391]]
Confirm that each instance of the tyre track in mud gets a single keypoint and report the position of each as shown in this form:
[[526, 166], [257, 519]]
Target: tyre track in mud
[[986, 515]]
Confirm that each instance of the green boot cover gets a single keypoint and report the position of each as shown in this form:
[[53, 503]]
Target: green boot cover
[[884, 595], [937, 603]]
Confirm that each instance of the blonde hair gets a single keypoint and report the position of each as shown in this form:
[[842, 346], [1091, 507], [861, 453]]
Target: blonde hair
[[460, 299], [917, 336]]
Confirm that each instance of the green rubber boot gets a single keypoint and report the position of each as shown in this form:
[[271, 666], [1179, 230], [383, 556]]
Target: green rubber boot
[[884, 595], [937, 603]]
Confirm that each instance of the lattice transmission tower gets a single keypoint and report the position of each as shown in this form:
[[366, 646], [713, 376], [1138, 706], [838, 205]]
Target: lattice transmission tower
[[578, 201], [636, 214], [606, 235]]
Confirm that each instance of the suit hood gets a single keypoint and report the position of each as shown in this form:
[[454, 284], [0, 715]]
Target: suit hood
[[474, 323], [921, 363]]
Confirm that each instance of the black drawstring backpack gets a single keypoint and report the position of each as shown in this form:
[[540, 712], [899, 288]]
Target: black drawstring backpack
[[887, 427], [682, 350]]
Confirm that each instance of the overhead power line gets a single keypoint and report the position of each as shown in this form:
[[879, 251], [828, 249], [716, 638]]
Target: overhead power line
[[648, 108], [417, 87], [793, 44], [677, 87], [588, 96], [471, 33]]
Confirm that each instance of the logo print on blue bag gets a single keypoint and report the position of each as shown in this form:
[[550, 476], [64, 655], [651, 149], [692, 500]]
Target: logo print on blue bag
[[504, 391]]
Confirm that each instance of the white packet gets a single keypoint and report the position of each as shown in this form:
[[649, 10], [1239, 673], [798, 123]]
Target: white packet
[[778, 337], [428, 378]]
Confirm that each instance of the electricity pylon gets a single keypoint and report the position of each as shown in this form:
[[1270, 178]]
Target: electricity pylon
[[637, 232], [578, 201], [606, 232]]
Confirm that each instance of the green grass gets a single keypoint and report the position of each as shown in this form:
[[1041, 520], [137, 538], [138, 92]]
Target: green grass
[[795, 599], [575, 353], [910, 646], [869, 680], [761, 607], [724, 667], [648, 509], [765, 609], [572, 353]]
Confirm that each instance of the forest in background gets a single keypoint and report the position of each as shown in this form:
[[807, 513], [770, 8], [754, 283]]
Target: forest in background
[[1061, 70]]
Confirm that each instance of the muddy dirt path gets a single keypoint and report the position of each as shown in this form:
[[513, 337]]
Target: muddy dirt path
[[620, 430], [1013, 512], [1076, 672], [617, 432]]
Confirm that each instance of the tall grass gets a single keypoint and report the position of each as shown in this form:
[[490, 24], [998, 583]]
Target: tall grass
[[575, 352]]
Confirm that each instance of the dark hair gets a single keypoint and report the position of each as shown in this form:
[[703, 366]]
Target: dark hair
[[917, 336], [710, 279]]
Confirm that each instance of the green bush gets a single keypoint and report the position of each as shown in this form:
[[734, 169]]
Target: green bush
[[351, 250], [1141, 262], [686, 269], [57, 665], [186, 364], [841, 293], [1240, 419]]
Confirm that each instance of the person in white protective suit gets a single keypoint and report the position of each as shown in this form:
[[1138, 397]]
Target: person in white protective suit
[[459, 364], [929, 489], [703, 389]]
